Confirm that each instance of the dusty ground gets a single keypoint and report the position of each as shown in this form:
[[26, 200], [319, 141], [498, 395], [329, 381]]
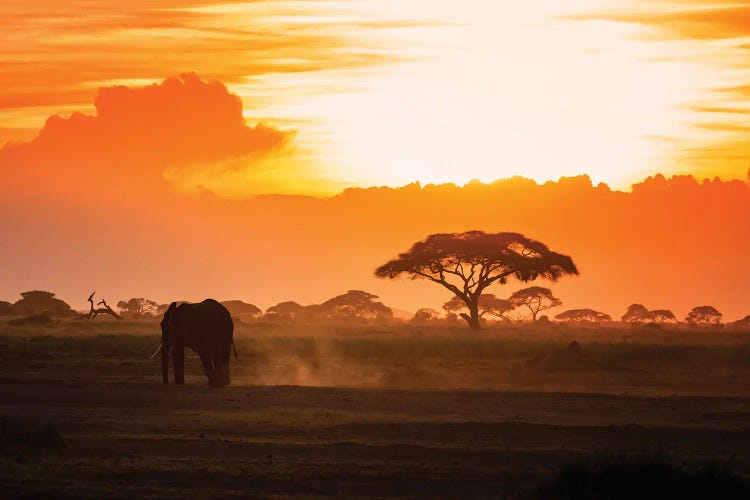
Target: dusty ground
[[127, 435]]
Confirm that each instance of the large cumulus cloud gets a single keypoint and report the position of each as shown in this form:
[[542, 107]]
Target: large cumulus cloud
[[135, 136]]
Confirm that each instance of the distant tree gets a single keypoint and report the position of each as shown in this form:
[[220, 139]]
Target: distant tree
[[424, 316], [138, 307], [535, 299], [488, 304], [288, 310], [662, 316], [38, 302], [636, 314], [468, 263], [452, 318], [355, 305], [242, 310], [703, 316], [741, 324], [583, 316], [6, 308]]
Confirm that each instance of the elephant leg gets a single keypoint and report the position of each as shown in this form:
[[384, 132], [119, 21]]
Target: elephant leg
[[221, 361], [226, 379], [226, 355], [219, 374], [179, 363], [208, 368]]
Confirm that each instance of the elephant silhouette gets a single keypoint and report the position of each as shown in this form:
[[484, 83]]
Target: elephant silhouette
[[206, 328]]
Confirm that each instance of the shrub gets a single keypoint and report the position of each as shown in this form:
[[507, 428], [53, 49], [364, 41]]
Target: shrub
[[651, 476]]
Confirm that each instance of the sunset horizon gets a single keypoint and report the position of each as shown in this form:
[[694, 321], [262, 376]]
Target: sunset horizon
[[147, 141], [375, 248], [280, 157]]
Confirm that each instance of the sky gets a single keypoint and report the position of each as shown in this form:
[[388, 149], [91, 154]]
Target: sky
[[282, 150], [385, 92]]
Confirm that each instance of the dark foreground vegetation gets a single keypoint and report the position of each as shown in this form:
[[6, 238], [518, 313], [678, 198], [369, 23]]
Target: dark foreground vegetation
[[321, 411], [622, 476]]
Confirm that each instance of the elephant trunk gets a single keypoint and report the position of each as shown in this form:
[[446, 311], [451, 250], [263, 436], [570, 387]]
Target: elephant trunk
[[165, 363]]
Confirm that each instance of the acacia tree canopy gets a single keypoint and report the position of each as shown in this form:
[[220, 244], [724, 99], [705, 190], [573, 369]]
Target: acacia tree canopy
[[583, 316], [356, 304], [743, 323], [704, 315], [242, 309], [636, 313], [286, 310], [536, 299], [467, 263], [39, 301], [138, 307], [424, 316], [662, 316]]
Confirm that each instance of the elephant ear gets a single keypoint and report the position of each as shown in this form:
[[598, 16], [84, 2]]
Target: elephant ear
[[171, 314], [169, 311]]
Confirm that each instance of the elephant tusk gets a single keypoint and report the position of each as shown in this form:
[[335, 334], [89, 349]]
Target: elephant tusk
[[156, 352]]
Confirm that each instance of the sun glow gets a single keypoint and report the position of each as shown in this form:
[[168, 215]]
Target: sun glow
[[479, 91], [391, 92]]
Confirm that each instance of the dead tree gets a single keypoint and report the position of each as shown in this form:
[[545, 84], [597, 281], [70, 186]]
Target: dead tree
[[95, 311]]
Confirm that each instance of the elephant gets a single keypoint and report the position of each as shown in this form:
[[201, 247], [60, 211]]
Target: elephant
[[206, 328]]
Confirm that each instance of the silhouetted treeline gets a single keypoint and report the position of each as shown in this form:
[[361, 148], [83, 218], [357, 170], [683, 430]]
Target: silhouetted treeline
[[353, 306], [357, 306]]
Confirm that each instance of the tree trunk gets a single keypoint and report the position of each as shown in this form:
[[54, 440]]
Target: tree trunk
[[473, 317]]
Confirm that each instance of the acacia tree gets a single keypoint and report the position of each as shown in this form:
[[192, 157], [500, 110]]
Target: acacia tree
[[288, 310], [467, 263], [39, 302], [703, 316], [356, 304], [424, 316], [661, 316], [583, 316], [138, 307], [636, 313], [741, 324], [535, 299], [488, 304], [242, 310]]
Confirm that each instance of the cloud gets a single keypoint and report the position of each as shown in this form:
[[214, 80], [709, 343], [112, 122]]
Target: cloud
[[721, 110], [710, 38], [724, 127], [50, 47], [701, 21], [741, 91], [135, 136]]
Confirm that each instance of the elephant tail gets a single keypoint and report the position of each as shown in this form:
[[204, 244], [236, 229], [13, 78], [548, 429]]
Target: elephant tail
[[235, 350]]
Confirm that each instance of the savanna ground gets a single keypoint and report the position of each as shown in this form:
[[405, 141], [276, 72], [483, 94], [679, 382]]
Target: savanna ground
[[321, 411]]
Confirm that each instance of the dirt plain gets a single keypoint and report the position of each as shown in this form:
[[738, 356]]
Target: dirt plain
[[360, 412]]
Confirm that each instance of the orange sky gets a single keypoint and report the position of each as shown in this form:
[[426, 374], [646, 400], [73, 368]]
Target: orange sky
[[134, 133], [389, 92]]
